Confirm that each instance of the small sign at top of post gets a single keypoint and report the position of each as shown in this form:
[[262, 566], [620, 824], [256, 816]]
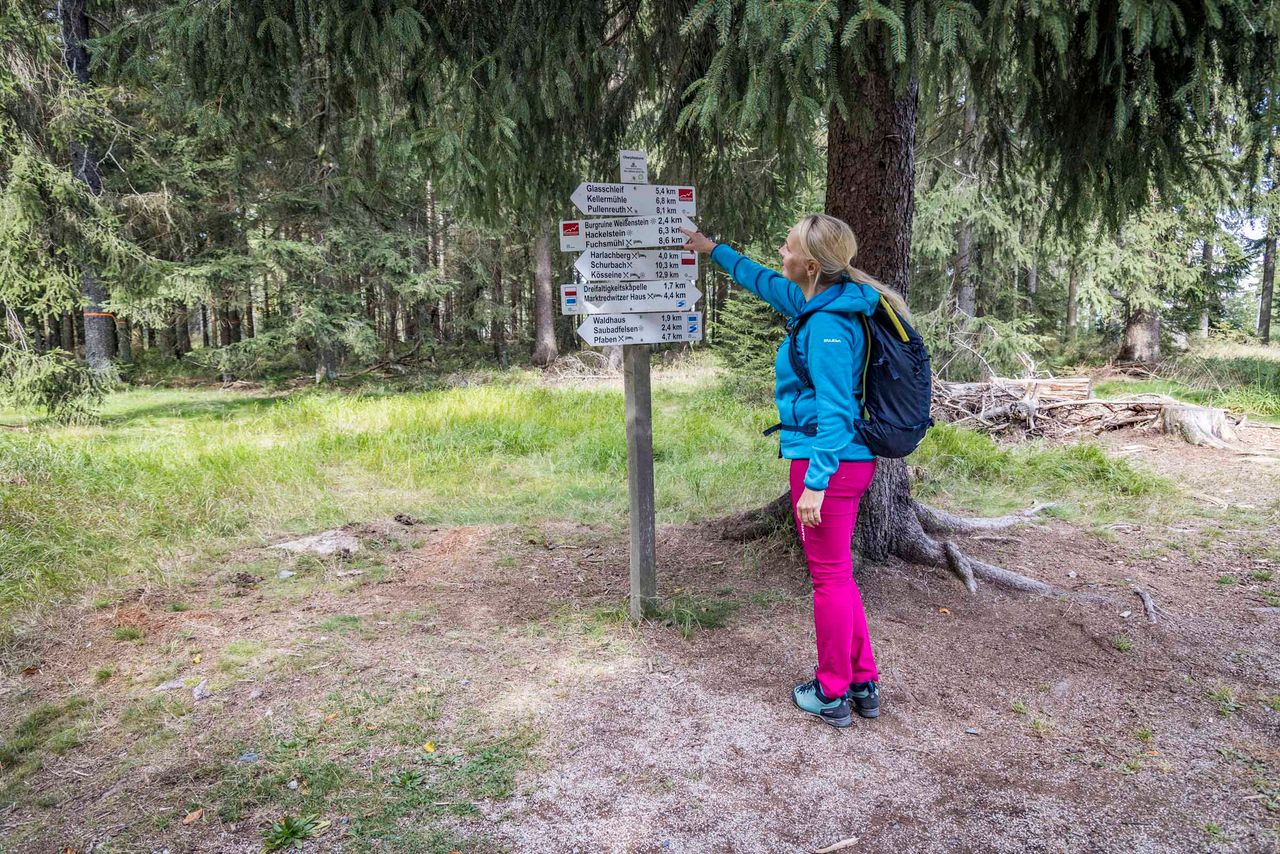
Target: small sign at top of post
[[633, 167]]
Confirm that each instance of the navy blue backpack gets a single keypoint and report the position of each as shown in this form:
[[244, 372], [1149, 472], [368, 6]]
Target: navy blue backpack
[[897, 383]]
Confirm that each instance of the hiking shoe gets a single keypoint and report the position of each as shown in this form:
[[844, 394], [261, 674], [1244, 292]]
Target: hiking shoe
[[865, 697], [808, 697]]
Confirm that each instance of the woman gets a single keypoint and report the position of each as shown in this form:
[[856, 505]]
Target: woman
[[830, 467]]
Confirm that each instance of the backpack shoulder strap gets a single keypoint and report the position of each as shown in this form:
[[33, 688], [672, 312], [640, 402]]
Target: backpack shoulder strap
[[793, 350]]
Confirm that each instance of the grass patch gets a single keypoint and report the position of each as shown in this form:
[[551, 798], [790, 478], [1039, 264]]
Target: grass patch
[[1224, 696], [320, 765], [1244, 378], [971, 470], [341, 624], [239, 654], [127, 633], [1122, 643], [689, 613], [49, 728], [167, 471]]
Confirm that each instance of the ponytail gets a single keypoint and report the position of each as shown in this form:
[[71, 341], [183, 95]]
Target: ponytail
[[888, 294]]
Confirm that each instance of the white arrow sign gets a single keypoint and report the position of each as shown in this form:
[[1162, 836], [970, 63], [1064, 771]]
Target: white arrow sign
[[634, 199], [624, 233], [622, 297], [602, 330], [629, 265]]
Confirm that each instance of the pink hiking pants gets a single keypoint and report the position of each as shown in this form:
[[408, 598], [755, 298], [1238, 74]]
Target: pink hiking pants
[[844, 646]]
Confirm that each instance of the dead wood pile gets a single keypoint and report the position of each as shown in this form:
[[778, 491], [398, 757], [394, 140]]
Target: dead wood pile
[[1061, 407]]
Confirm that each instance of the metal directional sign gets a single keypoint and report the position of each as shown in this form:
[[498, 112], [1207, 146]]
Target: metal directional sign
[[622, 297], [623, 233], [629, 265], [597, 199], [603, 330]]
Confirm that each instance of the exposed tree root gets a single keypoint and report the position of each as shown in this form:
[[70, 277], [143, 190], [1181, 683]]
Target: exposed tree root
[[941, 522], [913, 543], [758, 523], [1148, 604]]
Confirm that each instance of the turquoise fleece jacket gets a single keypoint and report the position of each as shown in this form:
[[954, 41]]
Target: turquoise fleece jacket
[[832, 345]]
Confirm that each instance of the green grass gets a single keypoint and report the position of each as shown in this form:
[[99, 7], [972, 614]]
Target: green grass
[[689, 613], [1244, 378], [975, 473], [171, 470], [167, 472], [362, 756], [50, 728]]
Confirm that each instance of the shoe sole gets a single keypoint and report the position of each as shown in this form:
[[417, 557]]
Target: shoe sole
[[872, 713], [840, 723]]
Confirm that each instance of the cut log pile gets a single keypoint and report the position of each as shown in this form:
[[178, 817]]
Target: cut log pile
[[1061, 407]]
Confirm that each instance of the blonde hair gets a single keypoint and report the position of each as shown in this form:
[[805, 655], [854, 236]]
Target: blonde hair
[[832, 243]]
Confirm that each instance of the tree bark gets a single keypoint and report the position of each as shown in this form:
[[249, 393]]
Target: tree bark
[[1206, 259], [497, 330], [204, 325], [1268, 282], [224, 324], [182, 328], [233, 321], [871, 186], [1142, 336], [249, 328], [544, 338], [168, 336], [393, 323], [963, 286], [99, 326], [1073, 300], [124, 340], [67, 333]]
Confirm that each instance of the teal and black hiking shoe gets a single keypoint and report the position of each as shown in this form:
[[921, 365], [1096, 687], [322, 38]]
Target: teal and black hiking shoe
[[865, 697], [809, 698]]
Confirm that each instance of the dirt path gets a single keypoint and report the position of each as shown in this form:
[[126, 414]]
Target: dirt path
[[1009, 723]]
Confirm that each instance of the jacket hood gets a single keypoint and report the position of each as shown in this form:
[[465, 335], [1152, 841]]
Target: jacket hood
[[848, 297]]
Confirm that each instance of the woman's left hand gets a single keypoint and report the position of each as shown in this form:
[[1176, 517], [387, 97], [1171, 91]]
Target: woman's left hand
[[809, 507]]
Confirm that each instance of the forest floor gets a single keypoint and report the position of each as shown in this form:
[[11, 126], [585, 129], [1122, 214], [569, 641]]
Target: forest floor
[[476, 688]]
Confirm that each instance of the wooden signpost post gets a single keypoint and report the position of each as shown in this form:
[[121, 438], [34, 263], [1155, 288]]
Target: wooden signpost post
[[634, 297]]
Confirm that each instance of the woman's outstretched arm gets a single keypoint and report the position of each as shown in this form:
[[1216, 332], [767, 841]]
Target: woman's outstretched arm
[[770, 285]]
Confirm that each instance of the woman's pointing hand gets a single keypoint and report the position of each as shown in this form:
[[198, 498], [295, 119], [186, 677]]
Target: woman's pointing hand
[[697, 241]]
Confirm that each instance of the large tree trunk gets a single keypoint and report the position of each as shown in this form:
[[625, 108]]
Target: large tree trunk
[[871, 186], [66, 332], [99, 326], [1206, 260], [168, 336], [1142, 336], [182, 328], [124, 339], [1073, 300], [1268, 283], [497, 329], [964, 289], [544, 336]]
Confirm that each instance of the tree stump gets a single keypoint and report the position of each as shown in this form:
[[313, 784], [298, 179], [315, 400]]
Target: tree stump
[[1198, 425]]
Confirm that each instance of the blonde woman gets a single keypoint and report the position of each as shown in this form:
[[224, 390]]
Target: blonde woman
[[821, 292]]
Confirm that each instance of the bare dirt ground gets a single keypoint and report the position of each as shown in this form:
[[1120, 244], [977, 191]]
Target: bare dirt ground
[[1009, 723]]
